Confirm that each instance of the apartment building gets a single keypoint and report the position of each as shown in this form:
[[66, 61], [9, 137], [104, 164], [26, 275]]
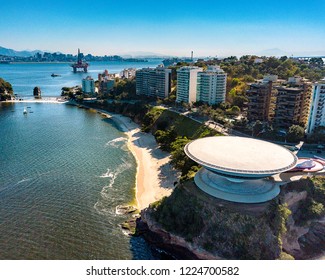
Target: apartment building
[[262, 99], [317, 108], [187, 78], [211, 85], [292, 103], [88, 85], [128, 73], [153, 82], [280, 102]]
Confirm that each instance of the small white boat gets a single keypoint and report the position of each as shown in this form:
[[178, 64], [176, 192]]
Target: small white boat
[[25, 111]]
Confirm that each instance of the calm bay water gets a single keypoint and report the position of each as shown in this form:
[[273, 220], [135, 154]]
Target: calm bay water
[[63, 172], [25, 76]]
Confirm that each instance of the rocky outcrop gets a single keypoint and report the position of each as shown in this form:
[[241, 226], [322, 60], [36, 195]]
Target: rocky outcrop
[[172, 244], [37, 92], [290, 240], [302, 240], [312, 243]]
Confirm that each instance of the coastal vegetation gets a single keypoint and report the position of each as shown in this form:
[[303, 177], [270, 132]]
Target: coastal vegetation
[[6, 91], [313, 207], [172, 132], [221, 230]]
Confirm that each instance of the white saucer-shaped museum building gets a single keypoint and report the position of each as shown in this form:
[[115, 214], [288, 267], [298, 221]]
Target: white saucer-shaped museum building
[[239, 169]]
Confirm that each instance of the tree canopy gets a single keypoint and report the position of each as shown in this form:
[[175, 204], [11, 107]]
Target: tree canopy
[[6, 90]]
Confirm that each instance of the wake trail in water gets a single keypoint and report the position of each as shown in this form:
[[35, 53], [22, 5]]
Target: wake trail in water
[[116, 142], [23, 180], [101, 204]]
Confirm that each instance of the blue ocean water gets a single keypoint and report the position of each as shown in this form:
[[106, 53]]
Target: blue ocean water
[[63, 172]]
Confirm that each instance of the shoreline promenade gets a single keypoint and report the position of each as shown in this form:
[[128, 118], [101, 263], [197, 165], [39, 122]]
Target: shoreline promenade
[[41, 100]]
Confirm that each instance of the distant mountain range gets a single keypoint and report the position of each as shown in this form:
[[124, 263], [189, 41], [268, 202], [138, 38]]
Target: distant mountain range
[[11, 52], [140, 54]]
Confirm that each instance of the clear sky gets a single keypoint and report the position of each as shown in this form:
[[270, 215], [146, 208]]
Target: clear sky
[[170, 27]]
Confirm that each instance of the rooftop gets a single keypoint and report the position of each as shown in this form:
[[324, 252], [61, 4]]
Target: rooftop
[[242, 156]]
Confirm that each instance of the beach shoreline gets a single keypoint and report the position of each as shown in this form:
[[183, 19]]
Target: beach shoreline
[[155, 176]]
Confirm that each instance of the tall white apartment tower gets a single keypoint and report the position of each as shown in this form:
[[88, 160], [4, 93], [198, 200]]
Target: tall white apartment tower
[[211, 85], [187, 84], [88, 85], [317, 108]]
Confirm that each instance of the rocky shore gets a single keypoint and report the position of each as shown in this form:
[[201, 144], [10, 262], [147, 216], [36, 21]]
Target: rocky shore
[[298, 241]]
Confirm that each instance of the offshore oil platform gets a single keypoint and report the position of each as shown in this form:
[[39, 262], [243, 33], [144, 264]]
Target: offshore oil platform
[[79, 66]]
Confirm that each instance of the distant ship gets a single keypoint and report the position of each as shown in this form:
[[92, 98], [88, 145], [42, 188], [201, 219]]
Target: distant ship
[[55, 75]]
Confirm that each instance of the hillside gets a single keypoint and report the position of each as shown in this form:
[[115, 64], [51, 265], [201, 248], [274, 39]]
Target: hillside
[[11, 52]]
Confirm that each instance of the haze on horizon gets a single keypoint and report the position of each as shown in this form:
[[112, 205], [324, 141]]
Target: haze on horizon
[[169, 27]]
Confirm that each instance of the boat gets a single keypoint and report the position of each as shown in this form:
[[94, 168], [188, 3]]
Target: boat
[[25, 111], [55, 75]]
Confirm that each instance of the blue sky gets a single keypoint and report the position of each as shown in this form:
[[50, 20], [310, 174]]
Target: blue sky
[[168, 27]]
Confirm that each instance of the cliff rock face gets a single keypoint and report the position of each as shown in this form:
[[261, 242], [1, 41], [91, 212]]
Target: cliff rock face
[[305, 236], [192, 225], [168, 242], [313, 242]]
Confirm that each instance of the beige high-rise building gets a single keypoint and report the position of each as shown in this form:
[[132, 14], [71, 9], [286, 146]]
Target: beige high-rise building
[[153, 82], [292, 103]]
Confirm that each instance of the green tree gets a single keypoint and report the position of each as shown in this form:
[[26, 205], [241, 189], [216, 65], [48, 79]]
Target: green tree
[[295, 133], [239, 100], [235, 82], [316, 61], [283, 58], [6, 90], [179, 159], [318, 136], [257, 128], [234, 110], [165, 138]]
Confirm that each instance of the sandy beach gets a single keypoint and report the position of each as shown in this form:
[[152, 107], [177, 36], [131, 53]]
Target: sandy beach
[[155, 176]]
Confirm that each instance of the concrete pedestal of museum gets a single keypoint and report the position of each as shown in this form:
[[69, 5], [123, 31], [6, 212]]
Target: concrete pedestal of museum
[[242, 191]]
